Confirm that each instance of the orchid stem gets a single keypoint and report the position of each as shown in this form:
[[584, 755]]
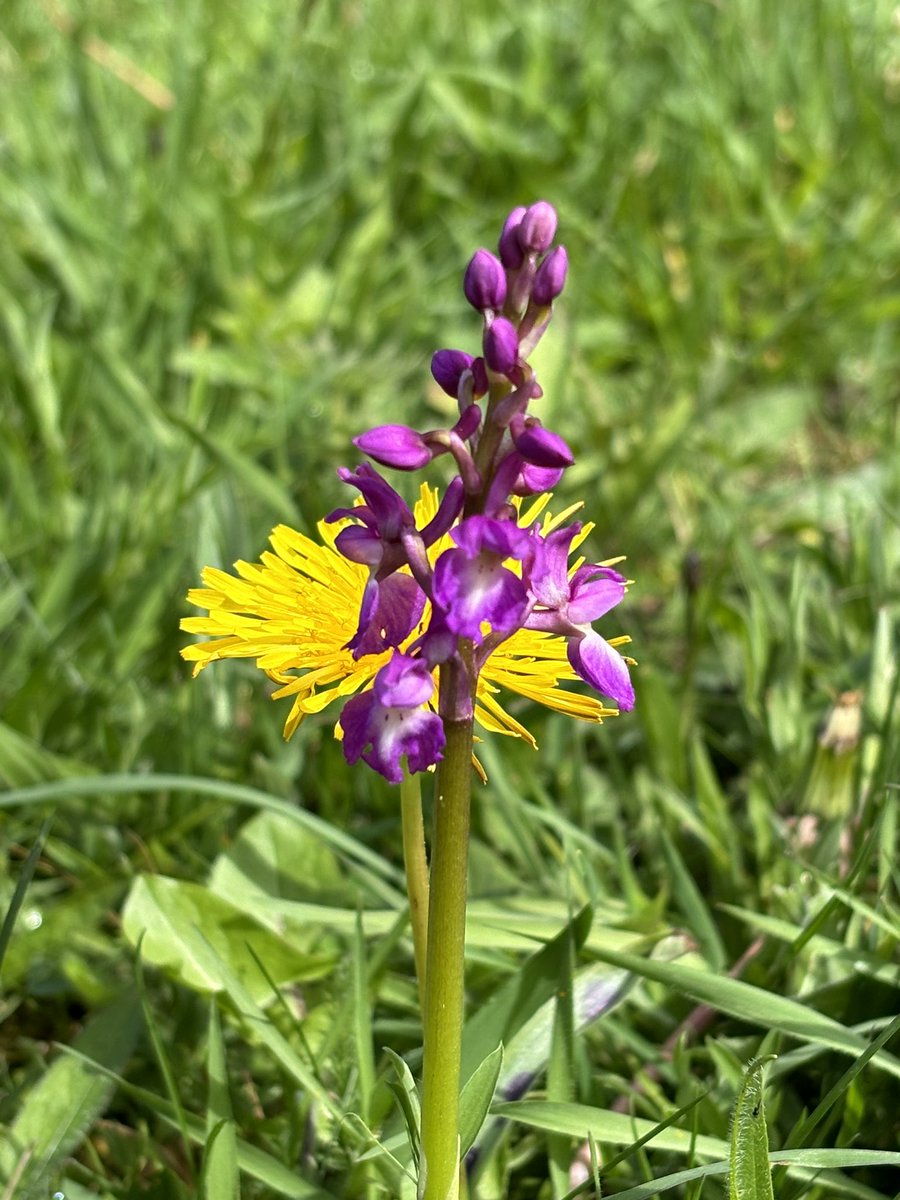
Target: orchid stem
[[416, 871], [444, 993]]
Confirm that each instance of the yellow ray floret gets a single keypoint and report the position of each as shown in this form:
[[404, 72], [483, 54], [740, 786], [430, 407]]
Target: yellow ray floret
[[295, 610]]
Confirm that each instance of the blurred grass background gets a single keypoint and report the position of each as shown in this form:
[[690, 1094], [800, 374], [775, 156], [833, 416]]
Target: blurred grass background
[[232, 237]]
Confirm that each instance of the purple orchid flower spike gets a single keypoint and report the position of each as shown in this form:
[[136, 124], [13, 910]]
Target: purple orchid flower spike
[[390, 722], [567, 606], [471, 584]]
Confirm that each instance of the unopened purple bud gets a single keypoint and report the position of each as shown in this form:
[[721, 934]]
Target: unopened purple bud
[[539, 446], [511, 252], [501, 345], [447, 367], [550, 278], [485, 281], [538, 227], [394, 446]]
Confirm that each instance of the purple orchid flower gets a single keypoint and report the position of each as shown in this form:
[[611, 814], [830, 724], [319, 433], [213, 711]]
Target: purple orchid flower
[[472, 586], [390, 722], [567, 606]]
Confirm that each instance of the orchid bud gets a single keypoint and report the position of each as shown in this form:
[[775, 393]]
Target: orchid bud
[[394, 446], [485, 281], [550, 278], [538, 227], [539, 446], [501, 345], [447, 367], [511, 252]]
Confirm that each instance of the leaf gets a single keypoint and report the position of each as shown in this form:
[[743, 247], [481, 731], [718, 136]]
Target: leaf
[[407, 1096], [750, 1003], [220, 1165], [21, 888], [520, 996], [749, 1175], [476, 1097], [801, 1164], [279, 858], [163, 915], [66, 790], [620, 1129], [274, 1175], [60, 1108]]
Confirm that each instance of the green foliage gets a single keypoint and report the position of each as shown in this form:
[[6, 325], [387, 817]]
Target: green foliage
[[232, 236], [749, 1174]]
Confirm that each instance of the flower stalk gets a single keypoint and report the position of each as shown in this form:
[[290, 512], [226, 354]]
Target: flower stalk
[[444, 995], [416, 866]]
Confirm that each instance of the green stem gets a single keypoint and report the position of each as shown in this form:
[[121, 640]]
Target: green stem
[[416, 871], [445, 966]]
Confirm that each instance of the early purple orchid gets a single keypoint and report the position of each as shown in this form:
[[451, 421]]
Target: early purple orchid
[[496, 577]]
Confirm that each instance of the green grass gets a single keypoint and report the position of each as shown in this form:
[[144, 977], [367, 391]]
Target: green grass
[[199, 306]]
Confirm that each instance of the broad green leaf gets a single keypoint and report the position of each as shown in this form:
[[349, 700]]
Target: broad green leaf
[[280, 858], [749, 1175], [164, 915]]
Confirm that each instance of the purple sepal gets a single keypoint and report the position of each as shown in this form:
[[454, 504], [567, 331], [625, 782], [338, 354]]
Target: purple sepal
[[501, 345], [538, 227], [468, 423], [389, 722], [539, 446], [389, 511], [389, 619], [577, 600], [550, 277], [448, 510], [472, 585], [601, 666], [485, 281], [511, 252], [504, 482], [593, 592], [358, 543], [447, 367], [549, 574], [394, 446]]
